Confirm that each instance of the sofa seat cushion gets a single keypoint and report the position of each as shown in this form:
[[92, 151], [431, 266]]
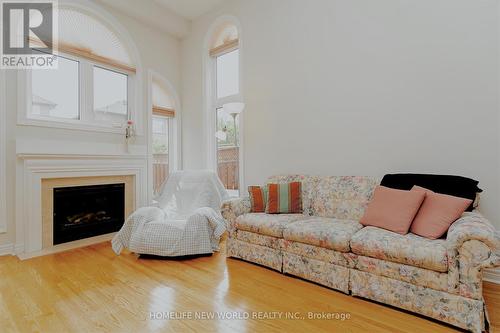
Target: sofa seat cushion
[[324, 232], [267, 224], [407, 249]]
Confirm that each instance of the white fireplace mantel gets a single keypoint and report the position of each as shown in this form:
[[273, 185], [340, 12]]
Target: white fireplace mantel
[[33, 168]]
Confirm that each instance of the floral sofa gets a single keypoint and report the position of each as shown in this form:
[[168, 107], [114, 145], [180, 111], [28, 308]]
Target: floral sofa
[[326, 244]]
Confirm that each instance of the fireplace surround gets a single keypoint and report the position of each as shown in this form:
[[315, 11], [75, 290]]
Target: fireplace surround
[[40, 174], [53, 187]]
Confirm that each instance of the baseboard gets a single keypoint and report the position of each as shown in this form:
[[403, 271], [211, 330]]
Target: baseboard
[[18, 248], [492, 275], [6, 250], [66, 246]]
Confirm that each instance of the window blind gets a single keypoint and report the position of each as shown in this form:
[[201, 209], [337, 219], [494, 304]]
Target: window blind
[[164, 112], [224, 48], [85, 36], [224, 39]]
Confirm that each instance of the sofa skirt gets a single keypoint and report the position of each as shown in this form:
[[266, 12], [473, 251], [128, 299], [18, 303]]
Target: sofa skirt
[[262, 255], [329, 275], [453, 309]]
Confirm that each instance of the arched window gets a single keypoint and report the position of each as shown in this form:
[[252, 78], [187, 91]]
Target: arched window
[[225, 103], [163, 116], [94, 84]]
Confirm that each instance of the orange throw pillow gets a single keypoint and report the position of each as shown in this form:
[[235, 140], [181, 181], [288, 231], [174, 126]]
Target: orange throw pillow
[[437, 213], [392, 209], [258, 198]]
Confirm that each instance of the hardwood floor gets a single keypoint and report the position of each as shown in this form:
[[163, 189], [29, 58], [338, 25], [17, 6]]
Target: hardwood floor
[[93, 290]]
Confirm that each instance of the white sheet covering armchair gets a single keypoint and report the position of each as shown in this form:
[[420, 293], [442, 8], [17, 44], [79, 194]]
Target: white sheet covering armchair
[[187, 220]]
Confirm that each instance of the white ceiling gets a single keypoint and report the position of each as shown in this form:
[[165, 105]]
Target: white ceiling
[[189, 9], [153, 14]]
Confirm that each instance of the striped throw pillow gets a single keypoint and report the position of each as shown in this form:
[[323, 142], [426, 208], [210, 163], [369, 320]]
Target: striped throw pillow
[[258, 198], [284, 198]]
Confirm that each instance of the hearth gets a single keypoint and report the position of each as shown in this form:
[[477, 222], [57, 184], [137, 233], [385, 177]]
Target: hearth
[[86, 211]]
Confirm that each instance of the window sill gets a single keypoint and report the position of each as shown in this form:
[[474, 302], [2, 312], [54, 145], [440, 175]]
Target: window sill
[[72, 125], [233, 194]]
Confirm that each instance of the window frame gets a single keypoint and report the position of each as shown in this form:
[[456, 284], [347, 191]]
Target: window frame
[[86, 100], [3, 153], [213, 103]]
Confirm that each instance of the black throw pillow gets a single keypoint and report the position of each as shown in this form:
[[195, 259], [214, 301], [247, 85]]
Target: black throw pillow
[[446, 184]]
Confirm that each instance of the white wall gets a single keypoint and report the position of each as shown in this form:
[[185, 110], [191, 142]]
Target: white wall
[[360, 87], [159, 51]]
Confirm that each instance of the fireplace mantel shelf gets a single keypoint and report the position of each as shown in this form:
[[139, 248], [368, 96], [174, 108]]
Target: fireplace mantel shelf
[[25, 156]]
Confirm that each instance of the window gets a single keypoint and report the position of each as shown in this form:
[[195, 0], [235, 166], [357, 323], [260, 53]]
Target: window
[[162, 121], [55, 93], [110, 95], [228, 150], [225, 105], [228, 76], [93, 86], [160, 151]]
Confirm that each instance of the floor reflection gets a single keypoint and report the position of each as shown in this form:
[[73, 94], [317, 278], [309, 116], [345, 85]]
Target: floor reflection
[[162, 299], [229, 317]]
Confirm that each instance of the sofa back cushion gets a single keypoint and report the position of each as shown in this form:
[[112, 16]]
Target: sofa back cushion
[[342, 197]]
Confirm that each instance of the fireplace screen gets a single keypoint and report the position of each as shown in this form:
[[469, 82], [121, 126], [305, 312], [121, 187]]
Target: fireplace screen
[[87, 211]]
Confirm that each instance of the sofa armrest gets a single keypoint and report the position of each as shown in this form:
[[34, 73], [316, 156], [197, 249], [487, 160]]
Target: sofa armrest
[[233, 208], [473, 244], [473, 226]]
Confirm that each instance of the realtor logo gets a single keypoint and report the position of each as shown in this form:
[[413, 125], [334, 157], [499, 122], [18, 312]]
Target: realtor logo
[[28, 34]]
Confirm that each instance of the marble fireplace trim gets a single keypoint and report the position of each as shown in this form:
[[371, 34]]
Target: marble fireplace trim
[[48, 185]]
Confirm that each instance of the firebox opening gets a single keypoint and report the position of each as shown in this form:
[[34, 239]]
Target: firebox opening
[[86, 211]]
